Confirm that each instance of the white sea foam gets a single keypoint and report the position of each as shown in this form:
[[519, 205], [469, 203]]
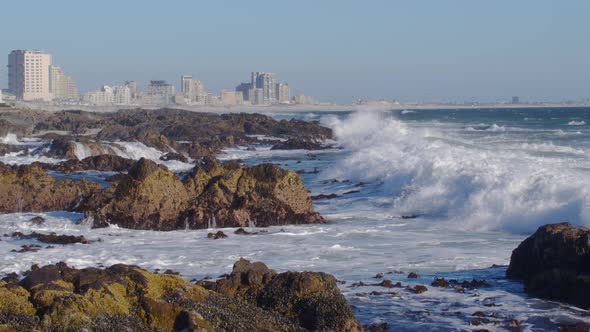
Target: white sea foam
[[355, 257], [460, 184], [576, 123]]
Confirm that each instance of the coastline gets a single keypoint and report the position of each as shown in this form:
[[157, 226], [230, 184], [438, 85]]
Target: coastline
[[291, 108]]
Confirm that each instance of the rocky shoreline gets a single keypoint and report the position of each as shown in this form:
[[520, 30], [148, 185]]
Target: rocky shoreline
[[127, 298], [145, 195]]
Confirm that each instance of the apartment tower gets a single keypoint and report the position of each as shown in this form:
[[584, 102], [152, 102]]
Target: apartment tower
[[28, 75]]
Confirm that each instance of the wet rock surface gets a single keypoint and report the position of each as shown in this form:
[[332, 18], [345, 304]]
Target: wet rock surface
[[103, 162], [201, 134], [554, 263], [213, 195], [308, 299], [52, 238], [127, 298], [29, 188]]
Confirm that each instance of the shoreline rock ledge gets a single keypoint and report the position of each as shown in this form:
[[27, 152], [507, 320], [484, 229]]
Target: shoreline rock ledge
[[127, 298], [554, 263], [214, 195]]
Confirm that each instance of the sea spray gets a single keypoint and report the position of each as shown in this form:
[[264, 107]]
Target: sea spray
[[423, 171]]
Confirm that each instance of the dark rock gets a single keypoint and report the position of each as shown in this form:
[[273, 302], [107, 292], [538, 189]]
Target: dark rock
[[379, 276], [241, 231], [174, 156], [379, 327], [440, 282], [323, 196], [554, 263], [418, 289], [215, 236], [52, 238], [413, 275], [37, 220], [311, 300], [298, 144]]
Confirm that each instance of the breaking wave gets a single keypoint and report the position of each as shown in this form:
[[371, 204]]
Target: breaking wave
[[459, 183]]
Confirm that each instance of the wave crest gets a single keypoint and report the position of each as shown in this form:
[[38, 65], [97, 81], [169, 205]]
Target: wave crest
[[467, 186]]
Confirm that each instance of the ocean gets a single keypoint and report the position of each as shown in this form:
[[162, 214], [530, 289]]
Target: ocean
[[442, 193]]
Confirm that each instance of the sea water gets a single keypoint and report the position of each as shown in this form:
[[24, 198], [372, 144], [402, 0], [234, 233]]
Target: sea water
[[444, 193]]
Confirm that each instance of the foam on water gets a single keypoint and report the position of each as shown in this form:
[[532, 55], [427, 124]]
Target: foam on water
[[23, 158], [461, 183], [353, 250]]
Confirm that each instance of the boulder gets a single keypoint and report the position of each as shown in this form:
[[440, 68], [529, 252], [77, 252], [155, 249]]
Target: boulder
[[235, 196], [213, 195], [308, 299], [554, 263], [128, 298], [28, 188], [174, 156], [149, 197]]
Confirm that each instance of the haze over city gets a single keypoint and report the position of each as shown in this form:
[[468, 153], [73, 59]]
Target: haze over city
[[337, 51]]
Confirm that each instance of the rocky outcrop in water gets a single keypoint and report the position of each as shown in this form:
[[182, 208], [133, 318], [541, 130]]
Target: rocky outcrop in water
[[307, 299], [213, 195], [168, 130], [233, 196], [149, 197], [299, 144], [128, 298], [29, 188], [554, 263], [103, 163]]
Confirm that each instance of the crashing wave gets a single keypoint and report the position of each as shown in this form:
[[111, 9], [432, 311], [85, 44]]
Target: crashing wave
[[464, 185]]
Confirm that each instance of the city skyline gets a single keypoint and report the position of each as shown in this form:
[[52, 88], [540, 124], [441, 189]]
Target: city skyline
[[469, 51]]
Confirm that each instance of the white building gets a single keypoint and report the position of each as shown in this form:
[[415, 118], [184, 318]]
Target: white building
[[122, 95], [104, 96], [61, 86], [283, 93], [28, 75], [193, 90]]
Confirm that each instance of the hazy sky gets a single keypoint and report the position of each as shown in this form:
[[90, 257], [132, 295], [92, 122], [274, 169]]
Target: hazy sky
[[336, 50]]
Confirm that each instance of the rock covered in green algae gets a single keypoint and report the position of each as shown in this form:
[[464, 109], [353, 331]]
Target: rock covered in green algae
[[308, 299], [128, 298]]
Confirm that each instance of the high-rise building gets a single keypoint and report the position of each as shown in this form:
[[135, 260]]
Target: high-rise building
[[257, 97], [231, 97], [515, 100], [122, 95], [283, 93], [61, 86], [266, 82], [193, 90], [244, 89], [160, 92], [133, 89], [28, 75]]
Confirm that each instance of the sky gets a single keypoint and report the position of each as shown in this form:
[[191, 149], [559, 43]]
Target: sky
[[334, 50]]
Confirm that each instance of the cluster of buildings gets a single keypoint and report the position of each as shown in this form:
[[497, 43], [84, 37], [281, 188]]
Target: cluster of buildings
[[33, 77]]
